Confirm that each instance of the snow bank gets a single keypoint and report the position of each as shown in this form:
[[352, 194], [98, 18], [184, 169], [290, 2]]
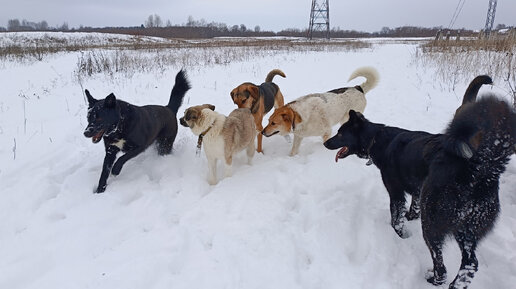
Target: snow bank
[[284, 222]]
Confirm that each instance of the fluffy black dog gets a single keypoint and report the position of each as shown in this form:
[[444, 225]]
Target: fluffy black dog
[[460, 194], [131, 129], [397, 152]]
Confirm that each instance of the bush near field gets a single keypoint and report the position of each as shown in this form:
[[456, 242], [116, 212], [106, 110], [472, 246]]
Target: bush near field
[[460, 60]]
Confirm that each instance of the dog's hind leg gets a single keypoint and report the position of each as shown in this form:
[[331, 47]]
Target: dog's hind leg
[[278, 100], [250, 152], [415, 209], [469, 262], [165, 140], [438, 275], [259, 136], [228, 169], [109, 159], [164, 145]]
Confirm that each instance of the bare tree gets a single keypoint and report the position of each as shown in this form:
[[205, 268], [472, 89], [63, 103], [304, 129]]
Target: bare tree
[[13, 24], [157, 21], [64, 26], [150, 21], [191, 21]]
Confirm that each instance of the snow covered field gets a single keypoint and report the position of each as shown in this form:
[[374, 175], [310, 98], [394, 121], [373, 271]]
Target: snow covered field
[[284, 222]]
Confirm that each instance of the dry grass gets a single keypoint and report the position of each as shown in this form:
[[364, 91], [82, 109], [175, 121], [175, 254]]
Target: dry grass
[[460, 61], [147, 58]]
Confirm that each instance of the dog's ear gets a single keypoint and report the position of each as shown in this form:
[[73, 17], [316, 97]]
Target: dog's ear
[[352, 115], [209, 106], [91, 99], [110, 101], [355, 116], [286, 117], [254, 91]]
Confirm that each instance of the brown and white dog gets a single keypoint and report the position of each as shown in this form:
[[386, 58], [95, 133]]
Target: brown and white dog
[[315, 114], [221, 136], [259, 99]]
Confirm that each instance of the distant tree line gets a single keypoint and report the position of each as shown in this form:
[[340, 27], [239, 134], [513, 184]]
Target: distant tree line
[[24, 25], [154, 26]]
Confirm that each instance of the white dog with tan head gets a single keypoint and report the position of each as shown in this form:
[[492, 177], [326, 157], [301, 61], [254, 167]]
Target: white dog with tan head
[[221, 136], [315, 114]]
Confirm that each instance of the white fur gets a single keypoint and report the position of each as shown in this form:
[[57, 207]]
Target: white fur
[[120, 143], [319, 112]]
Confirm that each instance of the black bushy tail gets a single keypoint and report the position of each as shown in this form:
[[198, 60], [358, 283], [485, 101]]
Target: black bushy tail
[[484, 130], [178, 91], [471, 92]]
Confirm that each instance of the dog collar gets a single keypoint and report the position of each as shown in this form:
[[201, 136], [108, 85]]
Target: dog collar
[[294, 123], [199, 140], [370, 159]]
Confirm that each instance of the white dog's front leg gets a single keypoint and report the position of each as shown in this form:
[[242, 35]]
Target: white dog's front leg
[[212, 171], [295, 145]]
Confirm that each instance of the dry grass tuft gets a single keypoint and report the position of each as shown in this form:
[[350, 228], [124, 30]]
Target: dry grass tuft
[[460, 61]]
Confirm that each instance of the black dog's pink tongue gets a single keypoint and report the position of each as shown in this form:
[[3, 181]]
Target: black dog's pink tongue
[[341, 153], [96, 138]]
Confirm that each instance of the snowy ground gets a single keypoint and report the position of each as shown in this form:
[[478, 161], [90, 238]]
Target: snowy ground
[[284, 222]]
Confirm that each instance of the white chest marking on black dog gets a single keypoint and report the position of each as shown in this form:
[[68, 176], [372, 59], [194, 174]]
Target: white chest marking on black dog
[[120, 143]]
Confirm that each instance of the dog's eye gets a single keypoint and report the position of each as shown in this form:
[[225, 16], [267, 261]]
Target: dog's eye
[[273, 123]]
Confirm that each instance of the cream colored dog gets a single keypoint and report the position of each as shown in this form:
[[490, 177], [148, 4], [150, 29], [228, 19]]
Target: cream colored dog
[[221, 136], [316, 114]]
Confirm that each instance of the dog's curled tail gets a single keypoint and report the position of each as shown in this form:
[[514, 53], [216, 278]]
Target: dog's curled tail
[[371, 75], [273, 73], [181, 86], [471, 92], [484, 130]]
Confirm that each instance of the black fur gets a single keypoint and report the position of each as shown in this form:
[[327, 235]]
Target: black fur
[[460, 194], [471, 92], [131, 129], [343, 89], [398, 153], [402, 156], [268, 90]]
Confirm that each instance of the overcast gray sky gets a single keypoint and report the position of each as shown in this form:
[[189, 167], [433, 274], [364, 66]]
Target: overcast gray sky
[[275, 15]]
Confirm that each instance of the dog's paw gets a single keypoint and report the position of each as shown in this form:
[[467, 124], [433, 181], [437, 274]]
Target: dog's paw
[[435, 280], [212, 182], [402, 231], [100, 189], [404, 234]]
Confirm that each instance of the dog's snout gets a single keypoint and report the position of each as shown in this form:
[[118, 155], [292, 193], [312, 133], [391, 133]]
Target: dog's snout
[[88, 132], [183, 122]]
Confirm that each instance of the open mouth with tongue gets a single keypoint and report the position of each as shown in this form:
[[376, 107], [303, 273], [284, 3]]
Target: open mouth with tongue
[[97, 137], [342, 153]]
